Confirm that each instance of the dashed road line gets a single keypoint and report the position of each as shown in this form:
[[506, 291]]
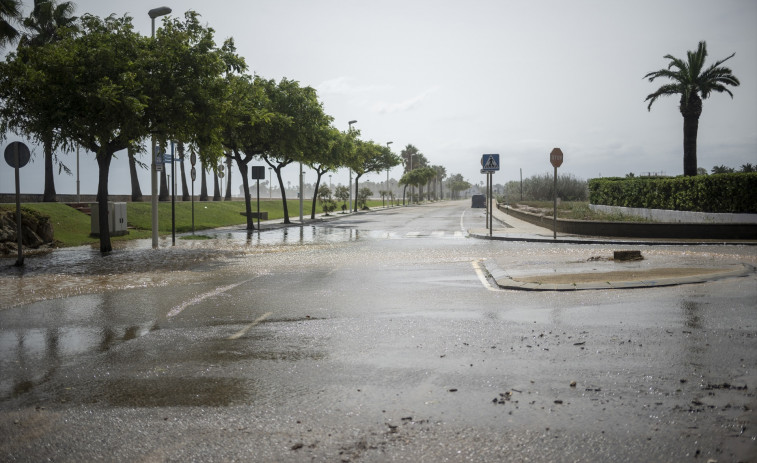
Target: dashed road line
[[179, 308], [244, 330]]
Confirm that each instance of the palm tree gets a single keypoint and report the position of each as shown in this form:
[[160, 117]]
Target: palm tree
[[694, 83], [10, 14], [43, 26]]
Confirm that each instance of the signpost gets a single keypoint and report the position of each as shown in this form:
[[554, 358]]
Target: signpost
[[555, 157], [193, 174], [489, 165], [17, 155], [258, 173]]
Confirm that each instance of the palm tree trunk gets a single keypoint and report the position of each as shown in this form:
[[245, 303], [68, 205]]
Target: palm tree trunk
[[164, 196], [216, 188], [49, 195], [203, 183], [184, 186], [136, 191], [690, 112], [228, 180]]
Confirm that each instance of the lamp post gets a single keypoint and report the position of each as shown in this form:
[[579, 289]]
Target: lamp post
[[387, 176], [154, 13], [350, 185], [270, 178]]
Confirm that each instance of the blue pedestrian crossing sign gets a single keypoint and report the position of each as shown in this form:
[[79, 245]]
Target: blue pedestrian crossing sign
[[490, 162]]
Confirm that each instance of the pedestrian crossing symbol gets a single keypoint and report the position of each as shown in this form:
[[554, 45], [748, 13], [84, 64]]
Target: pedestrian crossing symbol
[[490, 162]]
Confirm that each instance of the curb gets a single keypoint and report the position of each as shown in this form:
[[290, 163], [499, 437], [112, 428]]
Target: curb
[[503, 280]]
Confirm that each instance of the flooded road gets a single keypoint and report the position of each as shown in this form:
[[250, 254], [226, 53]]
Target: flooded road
[[370, 338]]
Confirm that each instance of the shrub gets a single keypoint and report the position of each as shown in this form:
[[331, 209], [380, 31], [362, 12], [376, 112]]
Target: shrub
[[728, 192]]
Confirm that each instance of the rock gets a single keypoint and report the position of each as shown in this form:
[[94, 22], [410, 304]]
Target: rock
[[36, 230]]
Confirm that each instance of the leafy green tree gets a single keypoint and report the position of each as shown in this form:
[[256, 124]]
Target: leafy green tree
[[693, 82], [456, 183], [748, 167], [327, 202], [329, 154], [300, 117], [722, 170], [47, 23], [370, 157], [185, 70], [98, 77], [342, 193], [362, 197], [10, 16]]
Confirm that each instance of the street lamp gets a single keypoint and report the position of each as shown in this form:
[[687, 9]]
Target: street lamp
[[387, 175], [350, 186], [154, 13]]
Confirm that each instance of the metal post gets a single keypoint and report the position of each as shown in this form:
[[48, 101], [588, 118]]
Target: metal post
[[554, 218], [78, 191], [259, 202], [20, 258], [301, 193], [173, 197]]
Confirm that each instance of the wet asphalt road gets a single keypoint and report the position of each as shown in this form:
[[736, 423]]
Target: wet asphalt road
[[370, 338]]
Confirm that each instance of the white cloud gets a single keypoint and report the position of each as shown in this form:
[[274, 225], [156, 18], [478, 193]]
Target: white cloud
[[343, 85], [389, 108]]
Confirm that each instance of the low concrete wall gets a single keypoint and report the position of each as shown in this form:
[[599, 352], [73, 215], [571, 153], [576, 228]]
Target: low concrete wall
[[715, 231], [661, 215]]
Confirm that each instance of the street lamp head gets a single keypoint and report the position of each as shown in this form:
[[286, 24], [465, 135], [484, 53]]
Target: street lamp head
[[389, 143], [160, 11], [351, 122]]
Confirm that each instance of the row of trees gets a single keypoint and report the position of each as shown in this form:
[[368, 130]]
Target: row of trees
[[98, 84]]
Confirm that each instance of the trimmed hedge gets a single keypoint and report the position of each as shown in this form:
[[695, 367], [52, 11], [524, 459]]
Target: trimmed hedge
[[734, 193]]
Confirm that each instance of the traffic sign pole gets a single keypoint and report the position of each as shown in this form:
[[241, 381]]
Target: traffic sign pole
[[555, 158]]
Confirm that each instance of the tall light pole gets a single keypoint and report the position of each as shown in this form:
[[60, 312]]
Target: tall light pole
[[270, 178], [387, 176], [350, 186], [154, 13]]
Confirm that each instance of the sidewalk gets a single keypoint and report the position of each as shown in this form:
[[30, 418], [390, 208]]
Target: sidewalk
[[509, 228]]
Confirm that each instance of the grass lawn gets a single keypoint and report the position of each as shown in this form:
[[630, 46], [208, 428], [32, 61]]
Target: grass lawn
[[72, 227]]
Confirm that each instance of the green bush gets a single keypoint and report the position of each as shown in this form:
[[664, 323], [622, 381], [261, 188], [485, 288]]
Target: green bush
[[734, 192]]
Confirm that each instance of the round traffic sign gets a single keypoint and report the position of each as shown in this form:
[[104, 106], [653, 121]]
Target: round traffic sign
[[555, 157], [220, 174], [220, 167], [192, 159], [193, 173], [23, 154]]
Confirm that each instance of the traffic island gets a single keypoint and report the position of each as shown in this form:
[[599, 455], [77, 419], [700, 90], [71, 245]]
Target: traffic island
[[618, 279]]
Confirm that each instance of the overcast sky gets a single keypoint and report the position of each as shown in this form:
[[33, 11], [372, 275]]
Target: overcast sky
[[460, 79]]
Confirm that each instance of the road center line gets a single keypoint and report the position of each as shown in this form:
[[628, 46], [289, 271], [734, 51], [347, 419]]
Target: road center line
[[244, 330], [179, 308]]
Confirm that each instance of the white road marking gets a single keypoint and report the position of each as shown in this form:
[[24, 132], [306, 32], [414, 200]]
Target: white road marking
[[179, 308], [244, 330], [482, 276]]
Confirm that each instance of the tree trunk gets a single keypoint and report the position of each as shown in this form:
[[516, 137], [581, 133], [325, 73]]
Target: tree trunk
[[164, 196], [357, 178], [184, 187], [283, 195], [246, 187], [49, 195], [690, 112], [136, 191], [216, 187], [203, 183], [103, 161], [228, 180], [315, 195]]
